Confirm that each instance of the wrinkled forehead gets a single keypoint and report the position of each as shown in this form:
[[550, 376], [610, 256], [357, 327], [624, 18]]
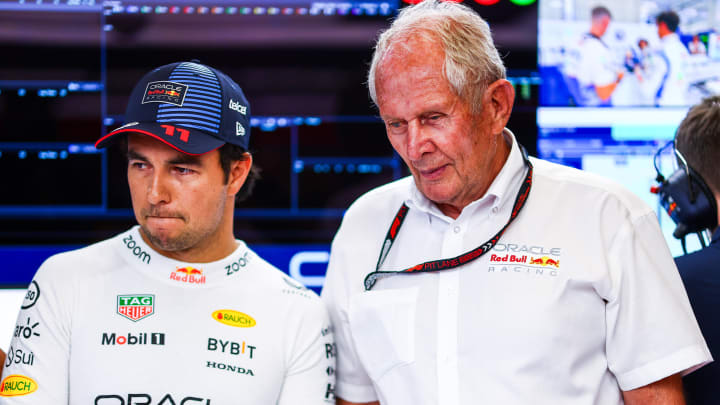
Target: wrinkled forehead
[[419, 44], [412, 56]]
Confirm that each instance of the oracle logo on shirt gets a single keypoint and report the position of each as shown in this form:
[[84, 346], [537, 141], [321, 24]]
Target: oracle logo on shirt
[[520, 249], [147, 399], [512, 258]]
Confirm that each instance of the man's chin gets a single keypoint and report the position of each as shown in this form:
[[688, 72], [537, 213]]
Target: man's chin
[[163, 239], [436, 193]]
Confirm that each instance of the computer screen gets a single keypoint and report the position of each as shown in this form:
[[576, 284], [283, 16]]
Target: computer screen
[[628, 53]]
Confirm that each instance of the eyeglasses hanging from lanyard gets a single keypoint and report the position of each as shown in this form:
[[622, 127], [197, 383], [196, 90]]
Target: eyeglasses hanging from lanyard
[[451, 263]]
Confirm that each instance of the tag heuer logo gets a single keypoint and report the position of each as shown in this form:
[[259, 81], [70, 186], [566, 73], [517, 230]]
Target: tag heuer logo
[[136, 307]]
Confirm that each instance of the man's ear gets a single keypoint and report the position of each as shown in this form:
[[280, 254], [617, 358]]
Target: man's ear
[[239, 170], [498, 100]]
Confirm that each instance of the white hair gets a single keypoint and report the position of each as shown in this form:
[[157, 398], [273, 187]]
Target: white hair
[[471, 60]]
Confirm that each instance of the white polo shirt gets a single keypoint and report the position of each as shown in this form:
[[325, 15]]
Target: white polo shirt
[[579, 299]]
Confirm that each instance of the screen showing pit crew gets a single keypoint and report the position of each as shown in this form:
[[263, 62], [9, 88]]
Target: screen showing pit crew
[[614, 53]]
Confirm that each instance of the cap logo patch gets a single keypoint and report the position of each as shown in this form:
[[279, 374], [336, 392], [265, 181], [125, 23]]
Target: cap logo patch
[[239, 129], [234, 105], [165, 92]]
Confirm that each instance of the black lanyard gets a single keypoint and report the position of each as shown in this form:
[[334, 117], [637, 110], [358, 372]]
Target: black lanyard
[[447, 264]]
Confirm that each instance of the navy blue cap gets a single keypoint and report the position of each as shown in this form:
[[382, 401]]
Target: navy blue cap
[[191, 107]]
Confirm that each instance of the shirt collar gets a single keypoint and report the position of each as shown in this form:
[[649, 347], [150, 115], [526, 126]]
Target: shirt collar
[[500, 190], [673, 36], [138, 254]]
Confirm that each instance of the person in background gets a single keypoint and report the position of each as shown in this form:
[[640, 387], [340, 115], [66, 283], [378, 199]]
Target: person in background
[[592, 72], [175, 310], [488, 277], [671, 77], [698, 140], [696, 47]]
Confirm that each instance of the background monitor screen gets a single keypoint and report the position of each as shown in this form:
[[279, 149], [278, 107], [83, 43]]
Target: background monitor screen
[[618, 77], [643, 61]]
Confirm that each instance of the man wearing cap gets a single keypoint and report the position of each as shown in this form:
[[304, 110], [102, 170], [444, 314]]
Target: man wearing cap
[[175, 310], [488, 277]]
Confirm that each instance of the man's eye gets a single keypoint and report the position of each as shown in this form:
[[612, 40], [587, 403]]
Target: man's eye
[[138, 165], [396, 125], [183, 170]]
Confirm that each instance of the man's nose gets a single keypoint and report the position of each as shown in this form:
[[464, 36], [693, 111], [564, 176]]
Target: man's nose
[[419, 140], [158, 191]]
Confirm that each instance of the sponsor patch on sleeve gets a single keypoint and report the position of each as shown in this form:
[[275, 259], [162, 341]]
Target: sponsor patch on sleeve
[[17, 385], [32, 295]]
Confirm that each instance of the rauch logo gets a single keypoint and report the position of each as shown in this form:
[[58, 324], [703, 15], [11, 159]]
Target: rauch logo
[[16, 385], [233, 318]]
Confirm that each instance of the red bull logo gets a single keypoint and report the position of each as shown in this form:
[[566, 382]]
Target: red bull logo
[[508, 258], [545, 261], [188, 275], [172, 93]]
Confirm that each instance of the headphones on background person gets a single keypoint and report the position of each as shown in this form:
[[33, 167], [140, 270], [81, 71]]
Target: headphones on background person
[[686, 198]]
